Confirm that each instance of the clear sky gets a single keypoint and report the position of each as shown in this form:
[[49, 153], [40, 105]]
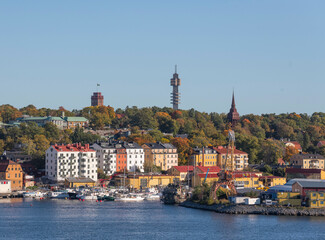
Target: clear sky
[[52, 53]]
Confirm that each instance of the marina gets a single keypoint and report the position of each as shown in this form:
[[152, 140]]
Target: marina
[[62, 219]]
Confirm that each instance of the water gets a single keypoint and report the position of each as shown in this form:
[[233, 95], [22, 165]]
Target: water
[[68, 219]]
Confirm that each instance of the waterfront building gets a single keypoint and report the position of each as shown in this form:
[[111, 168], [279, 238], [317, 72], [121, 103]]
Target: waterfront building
[[270, 181], [10, 170], [233, 115], [118, 156], [135, 157], [316, 199], [206, 156], [71, 160], [73, 182], [97, 99], [240, 158], [303, 187], [5, 187], [315, 161], [106, 157], [142, 181], [163, 155], [183, 172]]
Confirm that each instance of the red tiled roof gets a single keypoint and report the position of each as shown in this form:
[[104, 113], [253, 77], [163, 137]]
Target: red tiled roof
[[223, 150], [269, 177], [213, 169], [77, 147], [212, 175], [240, 174], [184, 168], [302, 170]]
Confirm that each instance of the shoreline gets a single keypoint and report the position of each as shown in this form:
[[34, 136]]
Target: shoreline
[[256, 209]]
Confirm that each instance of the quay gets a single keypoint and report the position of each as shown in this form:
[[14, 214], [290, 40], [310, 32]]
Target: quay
[[256, 209]]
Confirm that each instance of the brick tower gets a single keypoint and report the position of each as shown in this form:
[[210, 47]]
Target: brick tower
[[97, 99], [233, 115]]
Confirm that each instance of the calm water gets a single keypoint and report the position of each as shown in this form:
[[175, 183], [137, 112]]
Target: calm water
[[68, 219]]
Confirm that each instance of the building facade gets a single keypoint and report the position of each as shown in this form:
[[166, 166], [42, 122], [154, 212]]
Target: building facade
[[119, 156], [308, 161], [163, 155], [72, 160], [240, 158], [205, 156], [13, 172]]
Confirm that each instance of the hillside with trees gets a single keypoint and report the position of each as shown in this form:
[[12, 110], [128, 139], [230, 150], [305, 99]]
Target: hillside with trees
[[261, 136]]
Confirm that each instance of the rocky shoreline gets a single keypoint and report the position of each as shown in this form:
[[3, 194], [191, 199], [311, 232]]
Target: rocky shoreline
[[256, 209]]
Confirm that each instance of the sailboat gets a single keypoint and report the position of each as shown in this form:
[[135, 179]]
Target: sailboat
[[132, 197]]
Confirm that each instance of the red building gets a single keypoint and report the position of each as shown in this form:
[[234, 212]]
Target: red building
[[121, 158], [303, 187], [97, 99]]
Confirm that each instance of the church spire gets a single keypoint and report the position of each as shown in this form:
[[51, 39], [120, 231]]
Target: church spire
[[233, 115], [233, 105]]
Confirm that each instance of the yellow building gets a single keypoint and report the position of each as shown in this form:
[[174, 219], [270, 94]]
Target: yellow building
[[316, 199], [240, 158], [10, 170], [145, 181], [163, 155], [270, 181], [204, 157], [308, 161], [78, 182], [198, 179], [183, 172]]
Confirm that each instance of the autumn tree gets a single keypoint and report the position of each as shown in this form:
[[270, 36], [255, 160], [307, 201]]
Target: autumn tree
[[289, 152], [184, 149]]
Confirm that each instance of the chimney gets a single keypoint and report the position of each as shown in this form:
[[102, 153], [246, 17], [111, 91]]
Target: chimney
[[63, 114]]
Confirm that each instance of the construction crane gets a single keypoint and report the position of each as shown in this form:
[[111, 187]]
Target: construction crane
[[226, 174], [229, 165]]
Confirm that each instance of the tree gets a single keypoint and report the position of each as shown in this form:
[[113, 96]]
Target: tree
[[184, 149], [289, 152], [9, 113], [271, 151]]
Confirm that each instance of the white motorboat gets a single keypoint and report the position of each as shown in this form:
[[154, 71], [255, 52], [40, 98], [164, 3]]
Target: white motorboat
[[129, 198], [59, 195], [152, 197], [37, 194], [89, 196]]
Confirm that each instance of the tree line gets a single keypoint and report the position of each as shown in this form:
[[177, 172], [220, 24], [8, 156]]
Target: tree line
[[261, 136]]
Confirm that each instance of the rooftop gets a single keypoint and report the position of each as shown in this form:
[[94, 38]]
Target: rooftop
[[77, 147]]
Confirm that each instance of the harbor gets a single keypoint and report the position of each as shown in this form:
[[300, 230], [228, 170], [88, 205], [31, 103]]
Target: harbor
[[61, 219]]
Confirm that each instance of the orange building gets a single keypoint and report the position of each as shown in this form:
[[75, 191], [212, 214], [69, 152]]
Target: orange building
[[121, 158], [12, 171]]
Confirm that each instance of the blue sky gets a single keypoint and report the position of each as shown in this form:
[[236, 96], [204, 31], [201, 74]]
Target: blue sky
[[52, 53]]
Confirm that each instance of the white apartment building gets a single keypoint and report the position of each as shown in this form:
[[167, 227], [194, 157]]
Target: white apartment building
[[72, 160], [135, 157], [106, 157]]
